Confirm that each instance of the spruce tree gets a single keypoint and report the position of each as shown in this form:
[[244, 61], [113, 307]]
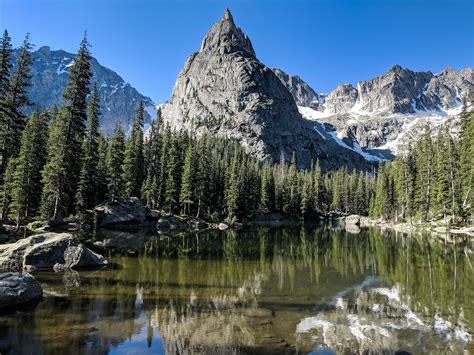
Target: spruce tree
[[12, 118], [152, 149], [186, 197], [103, 148], [172, 179], [115, 158], [87, 191], [134, 159], [26, 181], [62, 171], [5, 64]]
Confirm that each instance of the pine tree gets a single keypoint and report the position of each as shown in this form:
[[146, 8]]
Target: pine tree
[[5, 64], [187, 181], [61, 173], [26, 181], [134, 159], [466, 160], [152, 149], [267, 189], [232, 188], [115, 158], [441, 185], [203, 176], [317, 189], [172, 179], [7, 188], [102, 188], [87, 191], [12, 118], [424, 179]]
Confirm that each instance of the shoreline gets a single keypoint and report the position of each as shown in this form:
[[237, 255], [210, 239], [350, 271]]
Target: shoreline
[[407, 228]]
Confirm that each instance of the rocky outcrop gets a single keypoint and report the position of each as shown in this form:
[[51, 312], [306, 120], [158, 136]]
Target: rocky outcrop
[[392, 92], [118, 99], [171, 223], [353, 219], [226, 91], [18, 289], [446, 90], [48, 251], [341, 99], [123, 212], [303, 94]]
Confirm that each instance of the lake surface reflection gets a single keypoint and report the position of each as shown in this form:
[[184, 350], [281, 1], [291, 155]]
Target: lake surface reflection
[[258, 290]]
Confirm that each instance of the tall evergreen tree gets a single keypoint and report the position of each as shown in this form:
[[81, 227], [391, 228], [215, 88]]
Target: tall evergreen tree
[[12, 118], [62, 171], [26, 182], [134, 159], [115, 159], [5, 64], [186, 197], [87, 191]]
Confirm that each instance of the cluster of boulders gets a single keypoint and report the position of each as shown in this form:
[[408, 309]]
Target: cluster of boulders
[[47, 251]]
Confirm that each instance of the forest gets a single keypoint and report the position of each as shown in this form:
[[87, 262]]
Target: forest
[[56, 165]]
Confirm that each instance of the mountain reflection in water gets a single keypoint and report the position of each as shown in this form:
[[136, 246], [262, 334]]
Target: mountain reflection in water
[[258, 290]]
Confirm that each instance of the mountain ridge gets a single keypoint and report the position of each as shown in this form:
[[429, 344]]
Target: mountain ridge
[[225, 90], [118, 98]]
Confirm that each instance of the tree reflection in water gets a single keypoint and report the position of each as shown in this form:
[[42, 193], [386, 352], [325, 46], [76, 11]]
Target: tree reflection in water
[[256, 290]]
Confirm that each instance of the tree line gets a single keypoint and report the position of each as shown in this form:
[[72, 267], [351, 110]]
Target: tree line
[[55, 164]]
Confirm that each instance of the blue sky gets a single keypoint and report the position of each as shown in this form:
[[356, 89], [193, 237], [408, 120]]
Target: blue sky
[[326, 42]]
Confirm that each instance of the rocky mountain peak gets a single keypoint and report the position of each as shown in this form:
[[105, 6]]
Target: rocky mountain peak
[[226, 37], [226, 91]]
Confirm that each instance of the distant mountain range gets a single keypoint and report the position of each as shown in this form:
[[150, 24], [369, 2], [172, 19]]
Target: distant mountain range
[[225, 90], [118, 98], [386, 111]]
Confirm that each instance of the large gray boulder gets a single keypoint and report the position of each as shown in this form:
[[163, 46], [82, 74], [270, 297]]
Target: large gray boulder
[[48, 251], [121, 212], [352, 220], [18, 289]]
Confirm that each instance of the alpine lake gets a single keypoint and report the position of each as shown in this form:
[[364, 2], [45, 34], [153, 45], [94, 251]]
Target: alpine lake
[[314, 289]]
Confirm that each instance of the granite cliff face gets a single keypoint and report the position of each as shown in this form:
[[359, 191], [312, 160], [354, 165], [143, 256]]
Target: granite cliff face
[[225, 90], [303, 94], [118, 99]]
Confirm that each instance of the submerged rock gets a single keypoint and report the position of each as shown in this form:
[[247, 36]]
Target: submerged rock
[[18, 289], [48, 251]]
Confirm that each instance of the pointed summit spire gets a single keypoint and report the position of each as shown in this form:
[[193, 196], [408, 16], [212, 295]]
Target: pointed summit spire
[[225, 36], [227, 16]]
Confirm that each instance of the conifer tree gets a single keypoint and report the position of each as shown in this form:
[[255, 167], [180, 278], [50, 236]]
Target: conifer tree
[[187, 181], [115, 158], [7, 187], [87, 191], [152, 149], [424, 179], [5, 64], [15, 98], [61, 173], [466, 160], [172, 180], [102, 188], [134, 159], [26, 181]]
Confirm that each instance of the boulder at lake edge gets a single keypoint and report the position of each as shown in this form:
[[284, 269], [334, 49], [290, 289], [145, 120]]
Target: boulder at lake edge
[[353, 219], [48, 251], [122, 212], [18, 289]]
